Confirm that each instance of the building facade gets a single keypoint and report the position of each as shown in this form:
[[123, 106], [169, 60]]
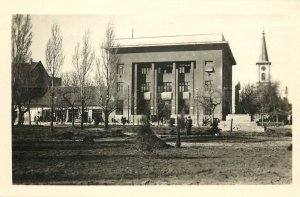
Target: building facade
[[164, 76]]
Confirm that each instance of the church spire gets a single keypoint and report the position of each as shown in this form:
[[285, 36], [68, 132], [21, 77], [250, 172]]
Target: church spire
[[263, 57], [263, 63]]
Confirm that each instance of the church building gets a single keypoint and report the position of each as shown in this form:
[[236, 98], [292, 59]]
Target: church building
[[263, 64]]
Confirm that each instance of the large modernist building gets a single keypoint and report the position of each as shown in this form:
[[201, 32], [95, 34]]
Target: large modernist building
[[164, 76]]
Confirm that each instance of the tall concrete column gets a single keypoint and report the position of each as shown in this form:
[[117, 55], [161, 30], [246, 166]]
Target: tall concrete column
[[155, 91], [174, 97], [192, 111], [135, 90], [152, 90], [67, 114], [176, 92]]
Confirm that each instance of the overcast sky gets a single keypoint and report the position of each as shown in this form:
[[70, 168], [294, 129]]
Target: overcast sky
[[241, 24]]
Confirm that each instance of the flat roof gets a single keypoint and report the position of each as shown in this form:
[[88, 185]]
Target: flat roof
[[171, 40], [176, 40]]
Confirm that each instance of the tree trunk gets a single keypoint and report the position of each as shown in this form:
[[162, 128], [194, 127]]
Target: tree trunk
[[73, 118], [82, 113], [106, 115], [61, 116], [29, 114], [52, 111], [21, 116], [13, 116]]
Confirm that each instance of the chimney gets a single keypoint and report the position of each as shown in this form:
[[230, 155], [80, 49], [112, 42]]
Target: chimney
[[30, 60]]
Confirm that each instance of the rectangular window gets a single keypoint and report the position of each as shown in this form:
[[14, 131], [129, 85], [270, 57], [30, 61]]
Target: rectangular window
[[209, 66], [207, 85], [145, 87], [167, 87], [120, 86], [184, 86], [145, 70], [181, 69], [120, 69], [164, 87], [184, 68], [159, 70], [169, 68], [160, 88], [119, 107]]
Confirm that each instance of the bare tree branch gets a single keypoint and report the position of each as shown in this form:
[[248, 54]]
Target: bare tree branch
[[21, 39], [83, 59], [54, 60], [106, 76]]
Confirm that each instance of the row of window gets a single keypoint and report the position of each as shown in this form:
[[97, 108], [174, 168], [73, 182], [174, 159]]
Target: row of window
[[166, 86], [183, 68]]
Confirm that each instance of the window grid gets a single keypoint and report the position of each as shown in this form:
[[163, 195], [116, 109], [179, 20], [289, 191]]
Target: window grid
[[145, 70], [165, 87], [145, 87], [184, 86], [185, 68]]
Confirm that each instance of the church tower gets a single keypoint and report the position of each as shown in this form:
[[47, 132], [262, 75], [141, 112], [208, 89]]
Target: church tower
[[263, 64]]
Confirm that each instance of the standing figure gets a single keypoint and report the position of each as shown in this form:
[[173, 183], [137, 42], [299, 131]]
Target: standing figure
[[189, 125]]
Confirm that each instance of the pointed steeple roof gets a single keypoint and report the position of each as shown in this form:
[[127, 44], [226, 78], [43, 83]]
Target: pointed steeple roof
[[263, 57]]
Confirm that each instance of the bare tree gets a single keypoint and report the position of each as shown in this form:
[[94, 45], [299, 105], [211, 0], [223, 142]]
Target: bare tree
[[69, 79], [68, 97], [83, 60], [54, 61], [209, 100], [107, 73], [21, 39]]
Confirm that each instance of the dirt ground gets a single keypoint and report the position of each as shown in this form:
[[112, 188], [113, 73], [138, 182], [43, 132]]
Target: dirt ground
[[235, 158]]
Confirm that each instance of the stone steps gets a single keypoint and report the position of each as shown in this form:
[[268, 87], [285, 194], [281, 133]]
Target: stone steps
[[240, 126]]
